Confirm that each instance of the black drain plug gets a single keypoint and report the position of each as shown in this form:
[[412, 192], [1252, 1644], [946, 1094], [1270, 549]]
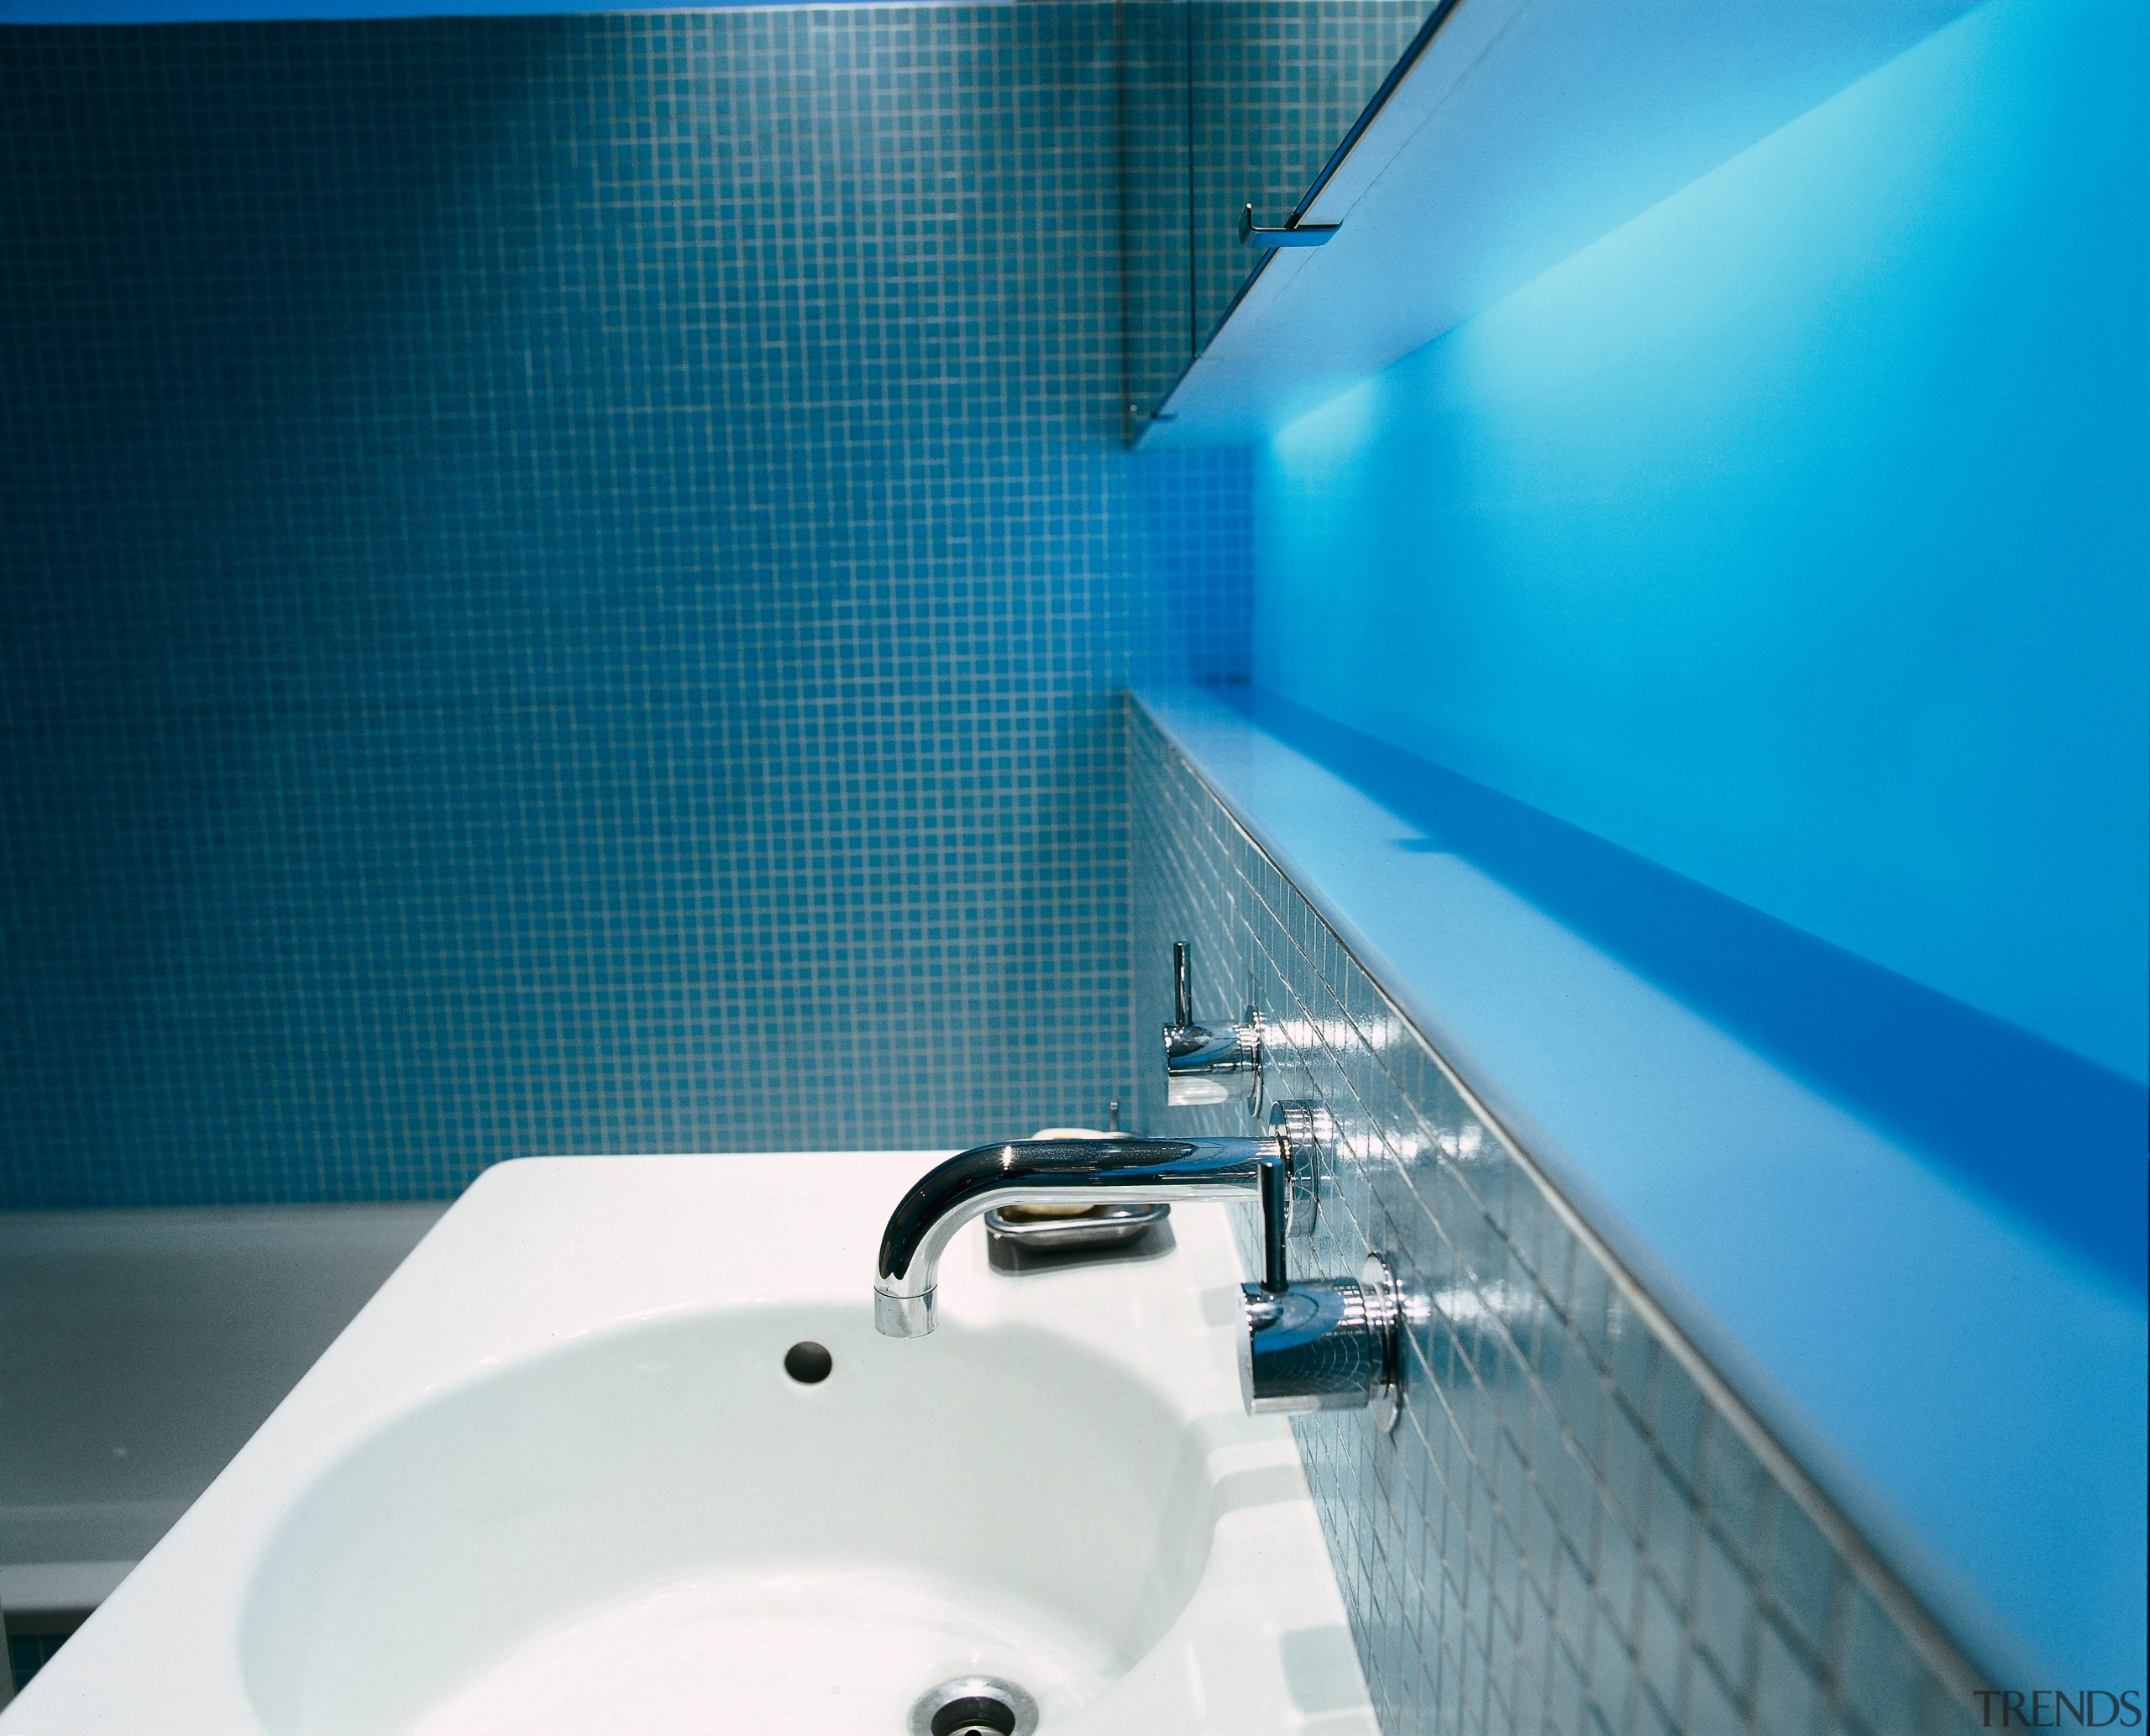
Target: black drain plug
[[975, 1715]]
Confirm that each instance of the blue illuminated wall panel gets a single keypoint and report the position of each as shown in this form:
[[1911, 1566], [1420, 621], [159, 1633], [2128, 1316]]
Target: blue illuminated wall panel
[[563, 581], [1794, 536], [1575, 1526]]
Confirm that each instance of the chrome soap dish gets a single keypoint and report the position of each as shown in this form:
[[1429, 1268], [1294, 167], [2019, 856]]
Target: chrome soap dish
[[1044, 1227], [1060, 1229]]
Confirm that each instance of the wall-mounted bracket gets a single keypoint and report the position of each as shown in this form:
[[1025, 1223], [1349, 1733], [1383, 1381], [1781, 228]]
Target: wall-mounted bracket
[[1302, 235]]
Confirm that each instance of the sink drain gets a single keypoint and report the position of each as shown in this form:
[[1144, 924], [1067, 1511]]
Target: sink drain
[[974, 1705]]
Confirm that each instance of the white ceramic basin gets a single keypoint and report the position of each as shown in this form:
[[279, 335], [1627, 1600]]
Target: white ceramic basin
[[554, 1478]]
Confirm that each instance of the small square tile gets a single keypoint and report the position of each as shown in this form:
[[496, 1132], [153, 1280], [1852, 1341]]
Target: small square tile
[[1669, 1534], [1675, 1419], [1711, 1709], [1787, 1694], [1618, 1571], [1571, 1604], [1724, 1610], [1590, 1299], [1631, 1353], [1651, 1718], [1735, 1482], [1612, 1672], [1803, 1571], [1663, 1646], [1623, 1458], [1878, 1675]]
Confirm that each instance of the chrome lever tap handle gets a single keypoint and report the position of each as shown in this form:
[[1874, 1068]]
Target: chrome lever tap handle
[[1276, 1217], [1323, 1344], [1195, 1052]]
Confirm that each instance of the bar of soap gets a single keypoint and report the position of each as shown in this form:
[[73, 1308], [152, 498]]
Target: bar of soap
[[1038, 1213]]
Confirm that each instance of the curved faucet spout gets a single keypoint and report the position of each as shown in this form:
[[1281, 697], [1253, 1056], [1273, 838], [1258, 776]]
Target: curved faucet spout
[[1041, 1172]]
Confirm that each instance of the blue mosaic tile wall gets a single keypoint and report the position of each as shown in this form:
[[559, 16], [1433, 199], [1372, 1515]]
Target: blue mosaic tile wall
[[1576, 1527], [564, 578]]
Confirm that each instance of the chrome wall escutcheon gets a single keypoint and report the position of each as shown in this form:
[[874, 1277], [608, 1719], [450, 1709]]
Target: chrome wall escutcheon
[[1384, 1313], [1308, 1135]]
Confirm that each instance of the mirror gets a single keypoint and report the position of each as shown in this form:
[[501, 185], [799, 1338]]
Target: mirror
[[1224, 104]]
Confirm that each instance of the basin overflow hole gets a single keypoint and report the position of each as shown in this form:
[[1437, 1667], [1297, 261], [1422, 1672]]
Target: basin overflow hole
[[808, 1363]]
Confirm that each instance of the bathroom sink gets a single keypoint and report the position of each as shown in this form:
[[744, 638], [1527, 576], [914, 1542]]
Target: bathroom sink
[[579, 1468]]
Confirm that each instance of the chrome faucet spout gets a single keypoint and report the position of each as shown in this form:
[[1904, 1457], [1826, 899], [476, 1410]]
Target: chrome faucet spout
[[1047, 1172], [1322, 1344]]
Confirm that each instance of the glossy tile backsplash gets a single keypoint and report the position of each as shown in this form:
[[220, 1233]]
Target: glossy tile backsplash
[[564, 582], [1575, 1526]]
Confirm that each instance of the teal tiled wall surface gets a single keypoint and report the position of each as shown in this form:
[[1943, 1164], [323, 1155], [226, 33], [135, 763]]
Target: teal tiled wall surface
[[565, 581]]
